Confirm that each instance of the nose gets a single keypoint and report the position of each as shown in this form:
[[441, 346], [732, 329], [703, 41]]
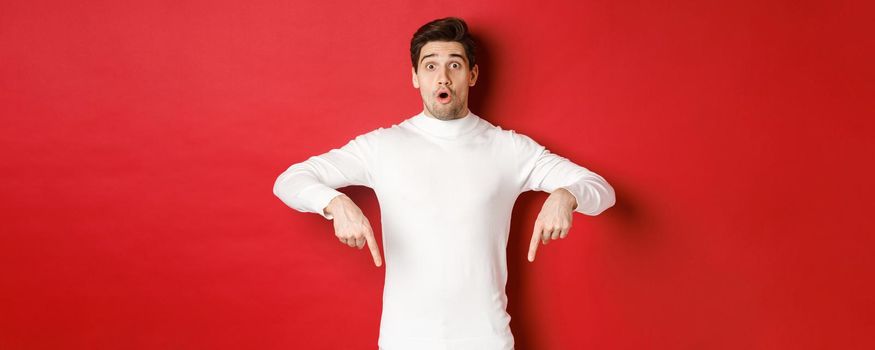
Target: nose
[[444, 77]]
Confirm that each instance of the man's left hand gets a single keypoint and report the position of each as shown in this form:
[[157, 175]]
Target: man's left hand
[[554, 220]]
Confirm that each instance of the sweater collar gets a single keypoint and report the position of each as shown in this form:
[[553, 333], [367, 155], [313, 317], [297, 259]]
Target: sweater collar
[[445, 128]]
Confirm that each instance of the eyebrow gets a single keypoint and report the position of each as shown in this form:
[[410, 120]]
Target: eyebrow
[[451, 55]]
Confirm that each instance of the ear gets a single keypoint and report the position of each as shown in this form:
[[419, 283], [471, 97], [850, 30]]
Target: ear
[[475, 72], [415, 79]]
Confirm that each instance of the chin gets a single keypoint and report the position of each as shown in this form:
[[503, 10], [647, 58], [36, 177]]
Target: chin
[[445, 112]]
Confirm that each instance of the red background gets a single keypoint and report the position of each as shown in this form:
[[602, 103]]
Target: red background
[[141, 141]]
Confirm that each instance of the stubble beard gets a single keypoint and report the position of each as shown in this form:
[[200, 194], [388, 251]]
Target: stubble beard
[[445, 112]]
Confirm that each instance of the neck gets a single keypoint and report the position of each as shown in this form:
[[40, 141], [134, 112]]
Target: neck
[[449, 128]]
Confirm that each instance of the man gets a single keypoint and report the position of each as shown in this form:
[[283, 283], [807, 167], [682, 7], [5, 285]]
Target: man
[[446, 181]]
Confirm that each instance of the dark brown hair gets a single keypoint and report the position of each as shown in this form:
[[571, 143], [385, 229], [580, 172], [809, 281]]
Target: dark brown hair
[[443, 29]]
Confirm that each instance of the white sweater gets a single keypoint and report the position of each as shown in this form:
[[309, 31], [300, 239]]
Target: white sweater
[[446, 190]]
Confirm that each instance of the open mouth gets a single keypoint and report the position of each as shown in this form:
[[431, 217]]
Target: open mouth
[[444, 97]]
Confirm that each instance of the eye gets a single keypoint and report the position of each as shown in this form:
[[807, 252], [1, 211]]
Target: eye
[[455, 65], [429, 66]]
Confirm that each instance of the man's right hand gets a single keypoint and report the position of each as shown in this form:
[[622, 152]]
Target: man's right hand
[[351, 226]]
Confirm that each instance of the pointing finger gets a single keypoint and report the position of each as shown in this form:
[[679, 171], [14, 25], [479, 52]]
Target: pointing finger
[[533, 245], [372, 245]]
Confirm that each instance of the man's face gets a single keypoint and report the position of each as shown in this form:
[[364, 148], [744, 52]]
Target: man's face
[[443, 79]]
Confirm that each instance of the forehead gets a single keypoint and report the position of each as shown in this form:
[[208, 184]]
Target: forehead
[[441, 49]]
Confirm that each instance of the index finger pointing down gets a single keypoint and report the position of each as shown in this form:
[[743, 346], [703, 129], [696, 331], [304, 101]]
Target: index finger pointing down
[[533, 245], [372, 245]]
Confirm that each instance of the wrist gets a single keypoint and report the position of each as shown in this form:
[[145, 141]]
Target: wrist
[[567, 197], [329, 209]]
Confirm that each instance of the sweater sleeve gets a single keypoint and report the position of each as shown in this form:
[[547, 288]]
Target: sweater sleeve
[[310, 185], [547, 172]]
